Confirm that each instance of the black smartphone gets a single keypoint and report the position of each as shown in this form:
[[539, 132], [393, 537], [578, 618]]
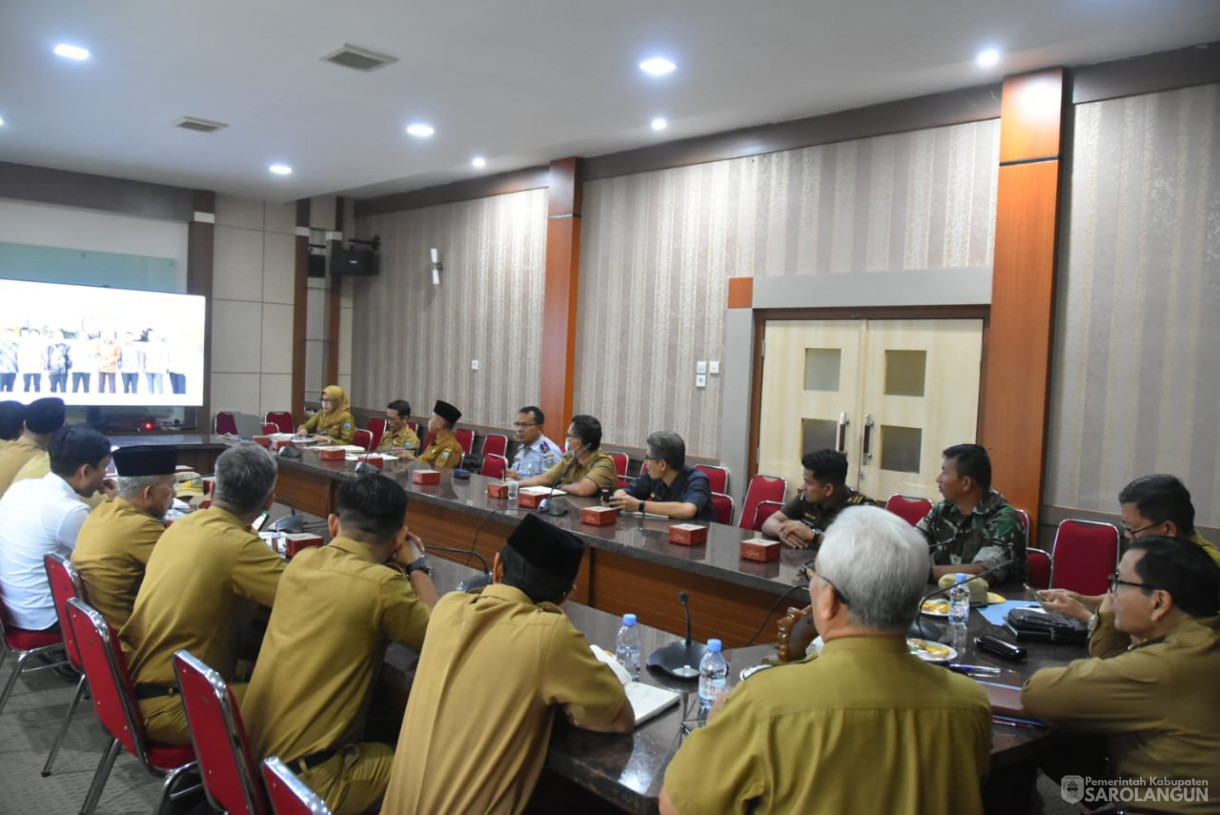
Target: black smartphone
[[1001, 648], [605, 494]]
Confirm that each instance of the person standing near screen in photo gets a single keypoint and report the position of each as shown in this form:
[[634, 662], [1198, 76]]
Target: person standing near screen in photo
[[108, 353], [8, 360], [334, 421], [59, 362], [179, 362], [156, 361], [130, 363], [32, 359], [81, 349]]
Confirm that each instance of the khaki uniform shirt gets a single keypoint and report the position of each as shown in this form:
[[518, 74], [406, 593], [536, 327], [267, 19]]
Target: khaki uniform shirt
[[340, 432], [479, 717], [14, 456], [200, 589], [864, 727], [599, 467], [404, 439], [112, 548], [1156, 702], [40, 465], [1207, 545], [335, 610], [443, 453]]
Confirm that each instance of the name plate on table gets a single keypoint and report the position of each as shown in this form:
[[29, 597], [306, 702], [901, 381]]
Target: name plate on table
[[531, 497], [598, 516], [688, 534], [760, 549], [425, 476]]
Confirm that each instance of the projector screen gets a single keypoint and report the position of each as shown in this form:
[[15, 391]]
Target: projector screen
[[98, 346]]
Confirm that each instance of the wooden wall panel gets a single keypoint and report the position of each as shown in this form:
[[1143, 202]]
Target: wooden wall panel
[[1031, 112], [561, 292]]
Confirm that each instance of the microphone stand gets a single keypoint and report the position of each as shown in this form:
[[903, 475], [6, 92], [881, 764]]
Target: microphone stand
[[549, 506], [679, 659], [476, 582]]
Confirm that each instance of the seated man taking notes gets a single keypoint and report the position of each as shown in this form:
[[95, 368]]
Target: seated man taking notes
[[824, 494], [398, 437], [585, 468], [668, 486]]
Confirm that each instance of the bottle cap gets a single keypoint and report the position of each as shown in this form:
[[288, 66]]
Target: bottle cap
[[714, 646], [962, 577], [628, 619]]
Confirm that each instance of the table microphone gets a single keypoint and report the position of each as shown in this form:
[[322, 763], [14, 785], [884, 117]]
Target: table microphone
[[476, 582], [548, 506], [919, 621], [679, 659]]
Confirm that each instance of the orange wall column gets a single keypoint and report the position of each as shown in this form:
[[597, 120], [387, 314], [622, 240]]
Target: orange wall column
[[1016, 381], [560, 295]]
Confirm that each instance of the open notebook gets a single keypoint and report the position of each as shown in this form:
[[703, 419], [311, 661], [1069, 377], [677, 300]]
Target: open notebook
[[647, 701]]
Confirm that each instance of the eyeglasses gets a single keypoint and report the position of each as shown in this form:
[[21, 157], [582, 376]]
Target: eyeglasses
[[1115, 582], [649, 457], [1131, 533], [570, 437], [525, 424], [842, 597]]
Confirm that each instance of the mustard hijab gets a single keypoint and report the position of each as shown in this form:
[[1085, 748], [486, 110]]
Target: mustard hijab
[[339, 405]]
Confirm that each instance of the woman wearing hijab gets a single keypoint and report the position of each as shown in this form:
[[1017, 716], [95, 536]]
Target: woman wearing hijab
[[333, 420]]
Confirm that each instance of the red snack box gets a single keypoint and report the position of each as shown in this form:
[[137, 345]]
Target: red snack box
[[425, 476], [760, 549], [497, 489], [296, 541], [531, 497], [265, 441], [376, 461], [331, 453], [688, 534], [598, 516]]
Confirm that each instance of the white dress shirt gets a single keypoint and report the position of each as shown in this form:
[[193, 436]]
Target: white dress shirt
[[37, 516]]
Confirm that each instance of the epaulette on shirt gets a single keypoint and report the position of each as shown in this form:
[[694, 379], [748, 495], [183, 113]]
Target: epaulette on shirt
[[544, 447]]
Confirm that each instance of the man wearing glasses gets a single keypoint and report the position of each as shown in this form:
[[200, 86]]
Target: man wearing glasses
[[668, 486], [536, 453], [1150, 505], [1150, 685], [861, 727], [585, 468]]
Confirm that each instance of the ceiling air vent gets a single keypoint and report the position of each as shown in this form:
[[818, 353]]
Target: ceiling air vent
[[199, 125], [362, 59]]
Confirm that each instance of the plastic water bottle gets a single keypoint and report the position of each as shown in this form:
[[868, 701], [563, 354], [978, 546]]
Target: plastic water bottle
[[959, 602], [713, 676], [627, 647], [514, 491]]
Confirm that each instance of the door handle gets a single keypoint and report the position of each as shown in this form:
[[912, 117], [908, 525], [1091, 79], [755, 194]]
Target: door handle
[[865, 453], [843, 423]]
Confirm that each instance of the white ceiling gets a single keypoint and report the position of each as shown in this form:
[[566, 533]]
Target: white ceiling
[[522, 82]]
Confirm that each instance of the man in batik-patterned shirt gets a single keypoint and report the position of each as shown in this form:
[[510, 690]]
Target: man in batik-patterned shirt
[[974, 529]]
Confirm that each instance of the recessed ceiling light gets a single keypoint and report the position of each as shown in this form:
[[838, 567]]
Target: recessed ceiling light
[[71, 52], [657, 66], [280, 169], [988, 58], [659, 123], [479, 161], [420, 130]]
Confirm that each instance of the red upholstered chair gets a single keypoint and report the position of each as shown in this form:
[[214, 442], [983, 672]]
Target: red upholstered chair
[[908, 507], [1041, 568], [224, 422], [466, 439], [114, 701], [495, 444], [762, 488], [723, 506], [718, 476], [427, 441], [22, 644], [414, 428], [230, 776], [623, 481], [289, 795], [620, 463], [281, 419], [376, 426], [1084, 555], [763, 511], [65, 584], [363, 438], [493, 465], [268, 428]]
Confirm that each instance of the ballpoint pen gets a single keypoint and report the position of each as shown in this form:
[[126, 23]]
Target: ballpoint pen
[[974, 670]]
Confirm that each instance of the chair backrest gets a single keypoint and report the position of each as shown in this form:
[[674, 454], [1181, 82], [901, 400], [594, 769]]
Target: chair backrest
[[281, 419], [65, 584], [1085, 554], [376, 426], [230, 778], [427, 441], [723, 506], [762, 488], [908, 507], [620, 462], [763, 511], [363, 438], [466, 439], [224, 422], [267, 428], [114, 698], [495, 444], [289, 795], [493, 465], [414, 428], [623, 481], [1041, 568], [718, 476]]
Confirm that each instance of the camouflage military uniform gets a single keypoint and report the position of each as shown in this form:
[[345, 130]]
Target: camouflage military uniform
[[992, 534]]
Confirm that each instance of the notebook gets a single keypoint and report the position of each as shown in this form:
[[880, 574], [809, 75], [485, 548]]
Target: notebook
[[647, 701]]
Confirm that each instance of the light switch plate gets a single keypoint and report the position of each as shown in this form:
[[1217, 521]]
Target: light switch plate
[[714, 367], [474, 365], [701, 366], [701, 380]]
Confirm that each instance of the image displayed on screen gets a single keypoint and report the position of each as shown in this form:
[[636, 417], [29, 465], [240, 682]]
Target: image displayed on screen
[[97, 346]]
